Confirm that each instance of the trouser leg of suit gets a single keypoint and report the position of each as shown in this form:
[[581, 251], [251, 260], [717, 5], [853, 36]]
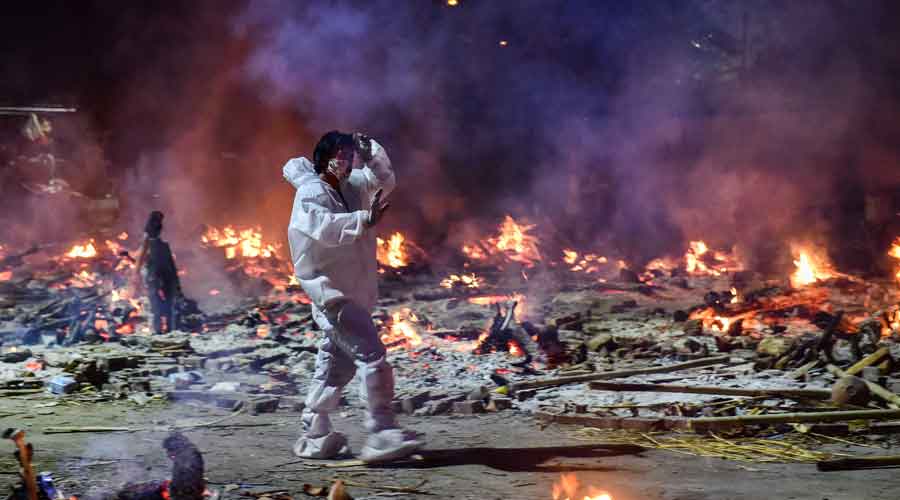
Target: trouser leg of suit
[[334, 369], [352, 345]]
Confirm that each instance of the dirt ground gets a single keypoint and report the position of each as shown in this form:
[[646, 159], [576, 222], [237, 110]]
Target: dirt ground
[[493, 456]]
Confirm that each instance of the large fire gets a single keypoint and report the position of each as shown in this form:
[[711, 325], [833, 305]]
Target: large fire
[[392, 252], [812, 265], [513, 242], [569, 488]]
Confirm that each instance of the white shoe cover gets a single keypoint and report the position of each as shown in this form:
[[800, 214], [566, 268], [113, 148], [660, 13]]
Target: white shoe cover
[[327, 447], [389, 444]]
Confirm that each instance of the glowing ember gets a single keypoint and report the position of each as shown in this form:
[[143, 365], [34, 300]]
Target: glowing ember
[[85, 251], [736, 297], [587, 263], [5, 275], [512, 242], [392, 253], [515, 349], [452, 3], [122, 236], [812, 266], [461, 280], [568, 488], [247, 243], [401, 330]]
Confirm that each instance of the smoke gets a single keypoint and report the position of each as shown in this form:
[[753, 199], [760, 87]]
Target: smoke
[[650, 123], [621, 127]]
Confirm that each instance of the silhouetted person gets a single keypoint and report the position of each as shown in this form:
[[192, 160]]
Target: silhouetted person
[[159, 275]]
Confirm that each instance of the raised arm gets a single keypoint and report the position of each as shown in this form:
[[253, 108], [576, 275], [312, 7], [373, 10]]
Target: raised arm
[[377, 170]]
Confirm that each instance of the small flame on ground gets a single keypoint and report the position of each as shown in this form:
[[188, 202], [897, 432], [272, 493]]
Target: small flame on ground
[[246, 243], [392, 252], [895, 253], [461, 280], [263, 331], [568, 486], [587, 263], [513, 241], [812, 266], [85, 251], [401, 330]]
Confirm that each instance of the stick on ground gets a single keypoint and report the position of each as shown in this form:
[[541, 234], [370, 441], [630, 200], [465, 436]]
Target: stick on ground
[[577, 379]]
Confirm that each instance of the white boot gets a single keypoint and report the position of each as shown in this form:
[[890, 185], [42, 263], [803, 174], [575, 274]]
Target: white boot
[[330, 446], [388, 445]]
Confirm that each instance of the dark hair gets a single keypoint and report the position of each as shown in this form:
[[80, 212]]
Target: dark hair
[[154, 224], [328, 148]]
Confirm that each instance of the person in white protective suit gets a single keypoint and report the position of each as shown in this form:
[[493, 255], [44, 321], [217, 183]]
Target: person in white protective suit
[[332, 240]]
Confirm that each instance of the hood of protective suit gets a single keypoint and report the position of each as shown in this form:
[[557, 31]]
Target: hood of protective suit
[[299, 171]]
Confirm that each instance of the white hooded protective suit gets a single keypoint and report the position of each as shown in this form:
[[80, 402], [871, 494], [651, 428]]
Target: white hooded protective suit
[[334, 259], [333, 254]]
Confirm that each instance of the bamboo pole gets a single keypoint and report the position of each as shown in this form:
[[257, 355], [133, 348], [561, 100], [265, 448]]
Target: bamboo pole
[[727, 391], [871, 359], [577, 379], [703, 424]]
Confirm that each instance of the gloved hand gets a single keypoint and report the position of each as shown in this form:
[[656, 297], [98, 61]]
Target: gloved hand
[[363, 145], [377, 209]]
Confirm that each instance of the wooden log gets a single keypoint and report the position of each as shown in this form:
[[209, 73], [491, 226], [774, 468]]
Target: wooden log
[[892, 399], [727, 391], [577, 379], [707, 424], [858, 463], [871, 359]]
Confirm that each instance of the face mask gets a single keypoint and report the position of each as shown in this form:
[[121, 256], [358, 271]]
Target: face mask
[[339, 168]]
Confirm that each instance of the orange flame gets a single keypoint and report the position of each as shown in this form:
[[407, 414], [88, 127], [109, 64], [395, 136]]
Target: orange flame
[[392, 253], [5, 275], [247, 243], [812, 266], [401, 329], [512, 242], [895, 253], [85, 251], [587, 263], [568, 486], [263, 331]]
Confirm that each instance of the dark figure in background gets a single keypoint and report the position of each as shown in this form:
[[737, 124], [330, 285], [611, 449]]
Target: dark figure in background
[[159, 274]]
